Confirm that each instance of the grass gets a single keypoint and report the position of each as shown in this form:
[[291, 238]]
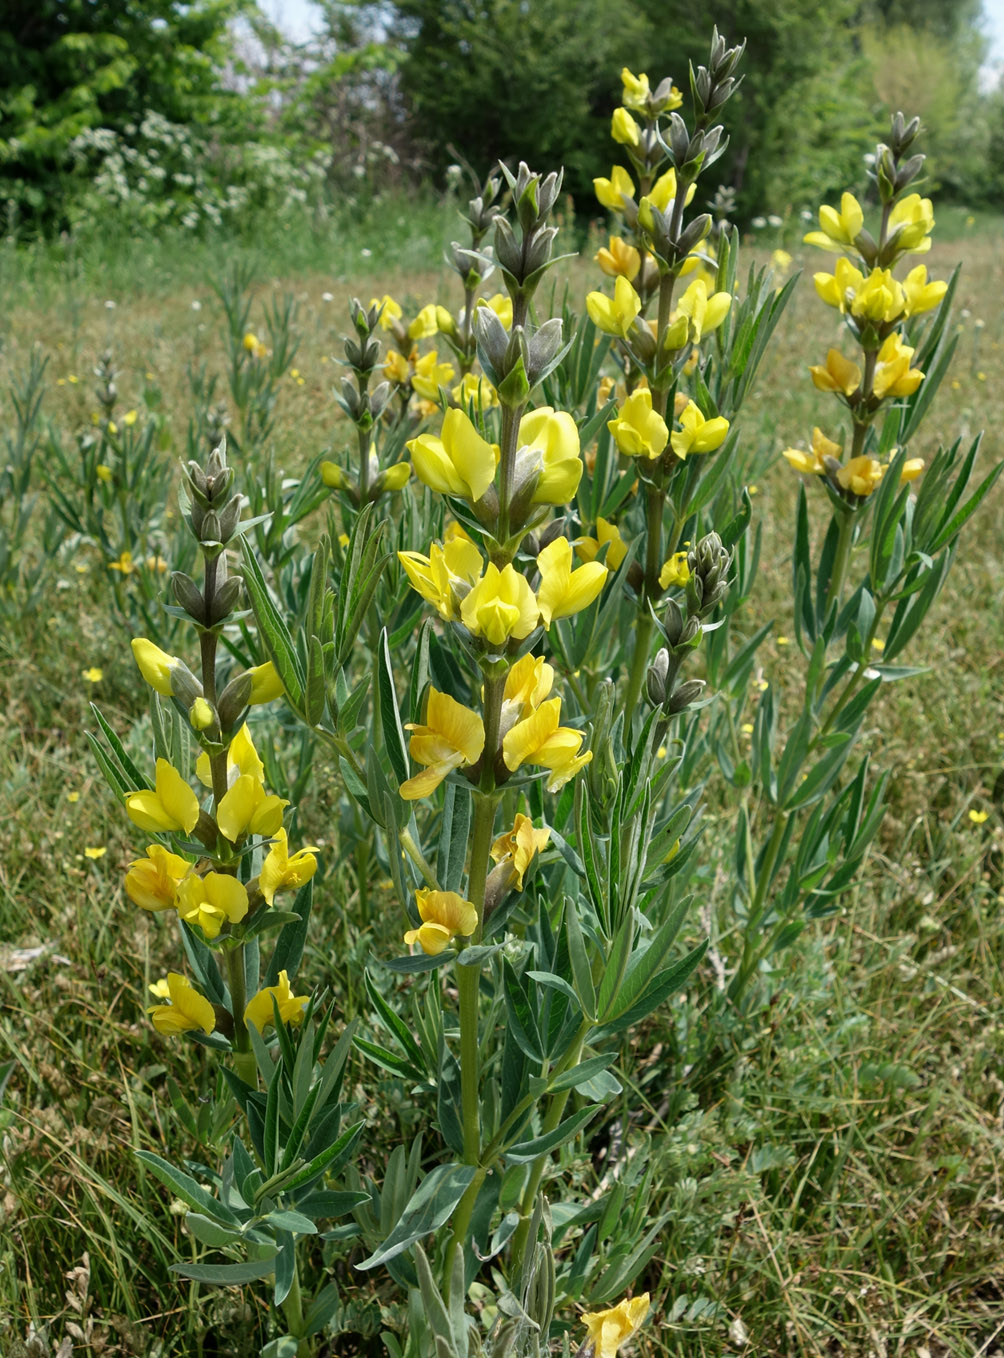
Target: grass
[[841, 1196]]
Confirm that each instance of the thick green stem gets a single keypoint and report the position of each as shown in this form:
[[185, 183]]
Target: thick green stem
[[244, 1060], [292, 1309]]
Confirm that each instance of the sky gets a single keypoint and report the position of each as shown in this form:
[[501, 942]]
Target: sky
[[298, 18]]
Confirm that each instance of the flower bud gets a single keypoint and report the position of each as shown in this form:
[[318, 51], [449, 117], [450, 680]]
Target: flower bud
[[184, 685], [226, 599], [230, 516], [209, 529], [682, 697], [709, 564], [233, 701], [202, 715], [188, 595]]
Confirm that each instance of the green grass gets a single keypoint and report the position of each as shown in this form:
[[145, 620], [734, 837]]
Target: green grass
[[840, 1195]]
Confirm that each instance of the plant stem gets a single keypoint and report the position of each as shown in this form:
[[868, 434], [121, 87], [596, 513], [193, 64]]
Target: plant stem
[[244, 1060], [293, 1311], [752, 956]]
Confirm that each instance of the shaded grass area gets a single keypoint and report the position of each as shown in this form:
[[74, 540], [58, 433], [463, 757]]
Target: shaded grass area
[[840, 1195]]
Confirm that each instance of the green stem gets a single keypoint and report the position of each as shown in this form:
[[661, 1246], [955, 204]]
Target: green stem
[[244, 1060], [552, 1117], [841, 559], [752, 956], [293, 1311]]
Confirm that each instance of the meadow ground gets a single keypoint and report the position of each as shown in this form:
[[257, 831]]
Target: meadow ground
[[845, 1197]]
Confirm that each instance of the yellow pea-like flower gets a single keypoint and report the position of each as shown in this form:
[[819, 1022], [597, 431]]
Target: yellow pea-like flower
[[266, 685], [838, 230], [616, 315], [705, 313], [519, 845], [638, 430], [425, 324], [212, 901], [607, 534], [698, 435], [624, 129], [609, 1329], [636, 89], [910, 223], [527, 685], [459, 462], [548, 448], [391, 311], [430, 375], [838, 374], [282, 871], [260, 1014], [538, 739], [152, 882], [861, 475], [246, 807], [501, 605], [811, 463], [612, 192], [446, 575], [187, 1010], [501, 304], [477, 390], [170, 806], [452, 737], [444, 914], [619, 259], [154, 664], [563, 591], [920, 294], [661, 196], [893, 374], [675, 571], [396, 368]]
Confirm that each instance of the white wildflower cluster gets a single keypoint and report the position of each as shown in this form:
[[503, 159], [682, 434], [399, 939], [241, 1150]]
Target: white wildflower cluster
[[159, 173]]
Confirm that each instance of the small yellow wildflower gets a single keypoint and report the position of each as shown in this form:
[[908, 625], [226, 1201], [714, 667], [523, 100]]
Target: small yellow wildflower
[[94, 675], [98, 852]]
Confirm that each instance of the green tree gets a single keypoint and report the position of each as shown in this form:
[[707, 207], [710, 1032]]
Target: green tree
[[70, 65]]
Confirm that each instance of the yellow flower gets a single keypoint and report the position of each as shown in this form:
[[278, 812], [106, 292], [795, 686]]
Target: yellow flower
[[910, 224], [130, 418], [548, 448], [638, 430], [201, 715], [265, 683], [675, 571], [152, 882], [563, 591], [587, 549], [171, 806], [251, 341], [880, 298], [445, 575], [780, 262], [861, 475], [912, 468], [698, 435], [476, 390], [520, 844], [396, 368], [261, 1015], [280, 872], [395, 477], [460, 462], [839, 374], [636, 89], [430, 375], [391, 311], [620, 259], [838, 229], [616, 316], [704, 313], [624, 129], [501, 605], [94, 675], [242, 757], [452, 737], [245, 806], [212, 901], [444, 914], [893, 374], [538, 739], [527, 685], [103, 472], [187, 1010], [154, 664], [978, 817], [501, 304], [920, 294], [124, 565], [426, 323], [609, 1329], [812, 463], [97, 852], [612, 192], [661, 196], [334, 477]]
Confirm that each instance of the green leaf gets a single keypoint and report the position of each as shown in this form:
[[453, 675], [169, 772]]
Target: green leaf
[[209, 1232], [522, 1023], [227, 1275], [287, 1220], [289, 944], [430, 1207], [667, 983], [187, 1189], [585, 1070], [272, 628], [525, 1151], [390, 716]]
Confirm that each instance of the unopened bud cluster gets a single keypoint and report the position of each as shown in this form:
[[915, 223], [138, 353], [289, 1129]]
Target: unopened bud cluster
[[708, 563], [213, 513]]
